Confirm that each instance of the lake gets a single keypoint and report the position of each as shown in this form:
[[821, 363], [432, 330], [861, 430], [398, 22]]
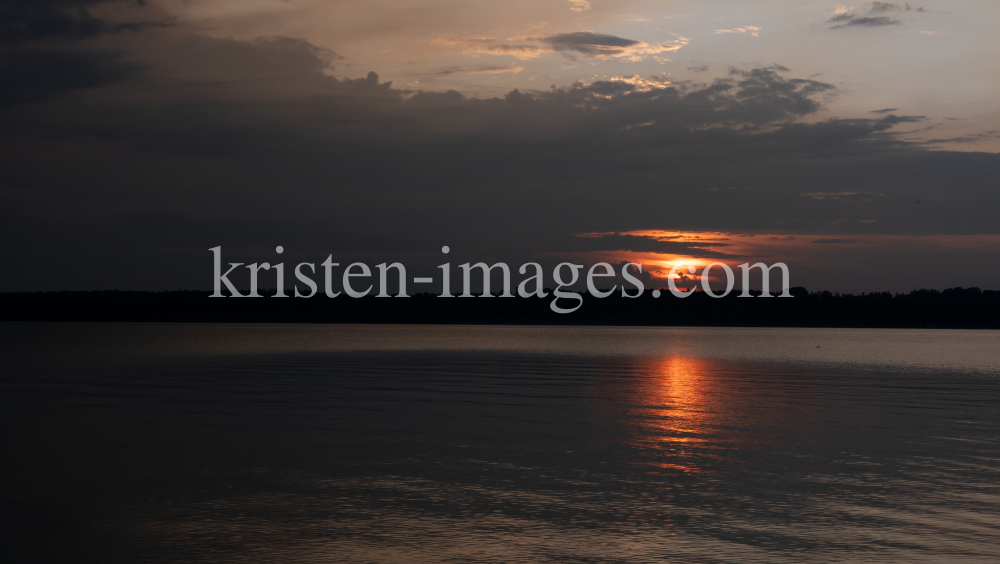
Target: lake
[[373, 443]]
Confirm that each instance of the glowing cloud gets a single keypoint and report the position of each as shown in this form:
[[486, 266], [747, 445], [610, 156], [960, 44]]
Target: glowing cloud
[[643, 84], [751, 29], [659, 251]]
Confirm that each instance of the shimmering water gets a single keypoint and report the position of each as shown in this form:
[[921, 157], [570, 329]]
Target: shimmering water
[[324, 443]]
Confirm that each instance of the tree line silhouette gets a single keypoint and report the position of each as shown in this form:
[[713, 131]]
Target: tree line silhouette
[[969, 308]]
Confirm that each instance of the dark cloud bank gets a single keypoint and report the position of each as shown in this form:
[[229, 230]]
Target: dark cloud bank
[[27, 20], [128, 155]]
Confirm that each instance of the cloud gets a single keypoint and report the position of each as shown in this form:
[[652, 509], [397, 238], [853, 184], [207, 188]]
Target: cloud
[[651, 243], [44, 54], [838, 132], [643, 83], [36, 75], [584, 43], [894, 119], [249, 144], [884, 111], [969, 138], [752, 30], [834, 241], [883, 7], [579, 5], [263, 60], [844, 18], [698, 68], [481, 70], [590, 44], [849, 20], [597, 45], [491, 46], [26, 20]]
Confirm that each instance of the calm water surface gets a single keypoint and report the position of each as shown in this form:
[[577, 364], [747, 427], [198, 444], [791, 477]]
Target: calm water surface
[[326, 443]]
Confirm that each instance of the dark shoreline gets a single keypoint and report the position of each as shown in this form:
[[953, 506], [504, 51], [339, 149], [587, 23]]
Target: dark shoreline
[[955, 308]]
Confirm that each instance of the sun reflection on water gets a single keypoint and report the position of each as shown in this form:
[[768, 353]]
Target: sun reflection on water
[[675, 413]]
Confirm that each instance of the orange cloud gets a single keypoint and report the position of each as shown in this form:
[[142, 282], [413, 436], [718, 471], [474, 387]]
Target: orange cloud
[[752, 30], [702, 248]]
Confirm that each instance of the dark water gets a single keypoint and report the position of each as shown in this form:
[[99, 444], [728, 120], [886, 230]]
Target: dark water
[[229, 443]]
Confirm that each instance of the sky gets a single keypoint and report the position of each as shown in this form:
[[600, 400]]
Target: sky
[[856, 142]]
